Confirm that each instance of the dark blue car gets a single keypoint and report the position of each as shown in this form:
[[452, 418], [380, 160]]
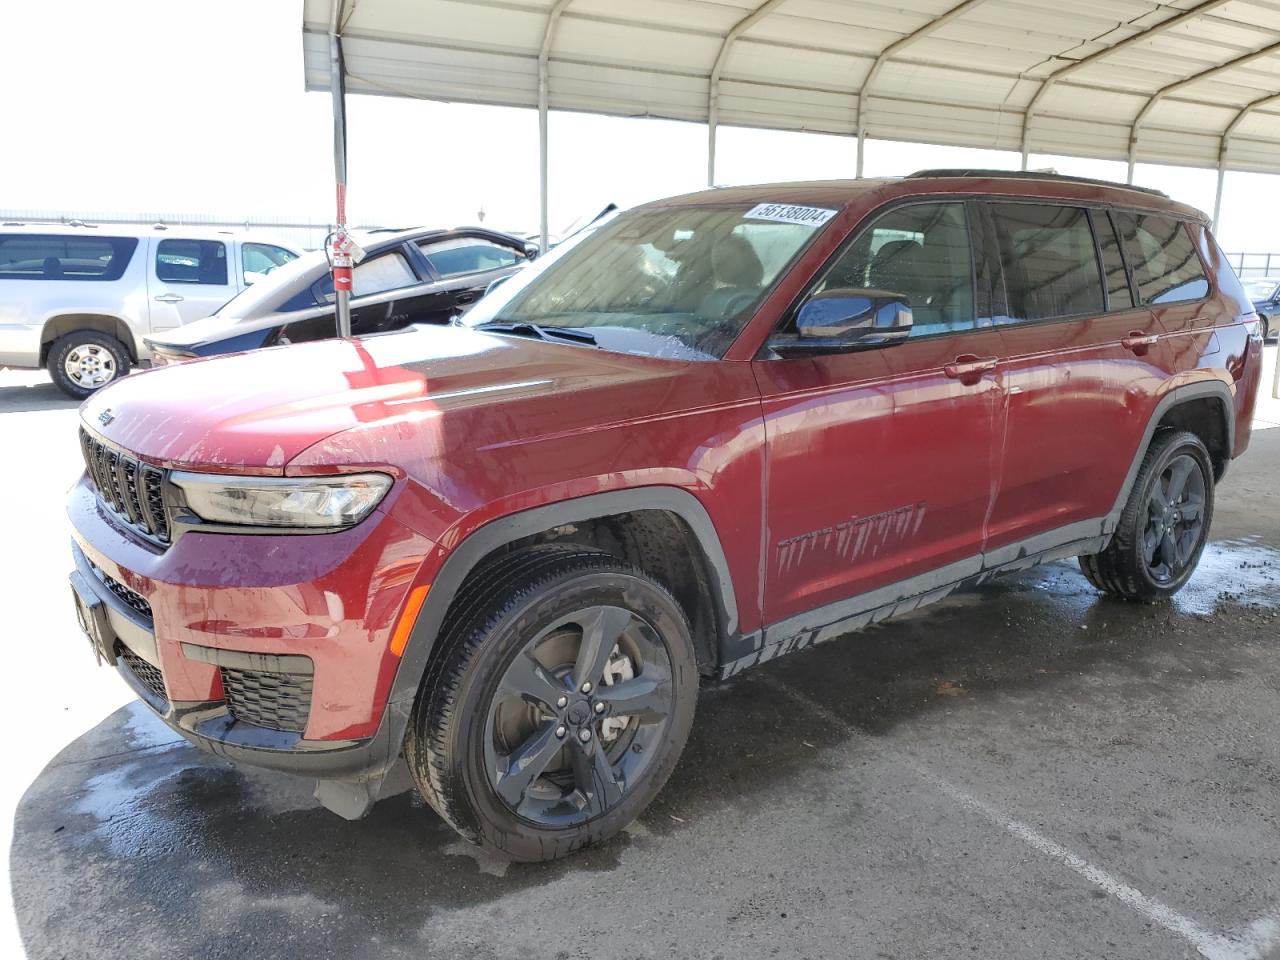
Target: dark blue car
[[406, 277], [1265, 294]]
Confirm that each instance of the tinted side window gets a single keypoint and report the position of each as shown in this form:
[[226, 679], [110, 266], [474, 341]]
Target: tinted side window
[[52, 257], [1119, 296], [192, 261], [1050, 262], [921, 251], [390, 271], [1166, 268], [452, 258]]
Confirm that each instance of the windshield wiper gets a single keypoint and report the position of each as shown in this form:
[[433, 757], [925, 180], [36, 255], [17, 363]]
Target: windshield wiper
[[523, 328]]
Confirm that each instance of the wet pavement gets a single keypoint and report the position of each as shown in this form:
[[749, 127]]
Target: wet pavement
[[1025, 770]]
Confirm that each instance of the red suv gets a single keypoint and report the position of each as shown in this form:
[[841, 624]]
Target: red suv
[[708, 432]]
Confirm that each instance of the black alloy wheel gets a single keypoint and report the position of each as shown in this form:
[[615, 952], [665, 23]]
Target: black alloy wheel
[[1164, 524], [577, 715], [1175, 519], [559, 703]]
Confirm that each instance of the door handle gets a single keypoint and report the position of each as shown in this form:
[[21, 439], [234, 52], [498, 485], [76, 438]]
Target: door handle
[[169, 298], [467, 297], [969, 369], [1139, 342]]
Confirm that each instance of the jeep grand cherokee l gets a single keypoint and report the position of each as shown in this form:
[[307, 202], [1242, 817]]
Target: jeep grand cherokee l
[[718, 429]]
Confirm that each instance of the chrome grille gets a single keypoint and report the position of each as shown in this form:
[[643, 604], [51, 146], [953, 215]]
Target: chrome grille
[[131, 488]]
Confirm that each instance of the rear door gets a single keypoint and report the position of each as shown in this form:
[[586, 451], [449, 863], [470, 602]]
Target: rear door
[[187, 279], [1170, 282], [1078, 352], [464, 267], [880, 462]]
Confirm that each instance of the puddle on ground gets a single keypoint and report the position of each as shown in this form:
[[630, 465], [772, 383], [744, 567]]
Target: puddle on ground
[[1234, 571]]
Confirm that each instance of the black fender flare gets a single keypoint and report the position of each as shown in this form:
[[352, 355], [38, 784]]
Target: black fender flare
[[1175, 397], [507, 529]]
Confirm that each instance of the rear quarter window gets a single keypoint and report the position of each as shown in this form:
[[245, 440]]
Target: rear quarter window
[[1165, 265], [29, 256]]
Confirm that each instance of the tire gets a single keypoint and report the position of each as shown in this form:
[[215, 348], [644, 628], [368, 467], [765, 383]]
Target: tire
[[84, 361], [590, 759], [1264, 327], [1173, 491]]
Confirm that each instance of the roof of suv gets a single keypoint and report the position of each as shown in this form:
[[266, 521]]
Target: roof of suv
[[1011, 183], [140, 230]]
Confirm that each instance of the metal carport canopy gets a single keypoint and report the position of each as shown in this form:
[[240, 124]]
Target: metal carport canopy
[[1189, 82]]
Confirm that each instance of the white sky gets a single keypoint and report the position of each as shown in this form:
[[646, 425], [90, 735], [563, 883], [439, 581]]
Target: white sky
[[158, 106]]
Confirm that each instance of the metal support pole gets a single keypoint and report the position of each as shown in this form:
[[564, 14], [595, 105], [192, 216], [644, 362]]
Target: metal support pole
[[713, 120], [1217, 200], [864, 98], [543, 230], [340, 253]]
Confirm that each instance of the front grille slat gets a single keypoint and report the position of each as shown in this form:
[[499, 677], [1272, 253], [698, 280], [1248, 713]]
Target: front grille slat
[[152, 480], [149, 676], [132, 489], [133, 500], [132, 598], [277, 701]]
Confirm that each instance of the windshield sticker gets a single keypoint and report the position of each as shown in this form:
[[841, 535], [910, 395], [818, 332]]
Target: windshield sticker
[[786, 213]]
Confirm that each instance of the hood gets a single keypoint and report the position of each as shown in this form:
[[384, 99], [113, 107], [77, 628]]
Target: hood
[[255, 412]]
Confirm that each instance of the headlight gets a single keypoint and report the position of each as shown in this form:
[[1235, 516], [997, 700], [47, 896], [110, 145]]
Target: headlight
[[282, 501]]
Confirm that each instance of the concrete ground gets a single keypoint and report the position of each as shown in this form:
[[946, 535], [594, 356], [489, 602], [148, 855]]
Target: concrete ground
[[1026, 770]]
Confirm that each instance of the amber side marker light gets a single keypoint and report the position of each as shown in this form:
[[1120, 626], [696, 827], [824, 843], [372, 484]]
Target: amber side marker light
[[400, 639]]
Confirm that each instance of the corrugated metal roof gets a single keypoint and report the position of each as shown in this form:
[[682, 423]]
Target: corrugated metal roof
[[1158, 82]]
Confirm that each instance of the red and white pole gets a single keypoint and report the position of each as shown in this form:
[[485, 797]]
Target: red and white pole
[[341, 247]]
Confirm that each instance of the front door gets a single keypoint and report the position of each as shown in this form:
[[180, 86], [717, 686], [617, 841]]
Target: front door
[[187, 280], [881, 463]]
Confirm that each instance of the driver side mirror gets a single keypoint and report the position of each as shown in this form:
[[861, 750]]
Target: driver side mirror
[[531, 251], [842, 320]]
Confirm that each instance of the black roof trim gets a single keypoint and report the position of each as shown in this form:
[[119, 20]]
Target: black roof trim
[[1030, 175]]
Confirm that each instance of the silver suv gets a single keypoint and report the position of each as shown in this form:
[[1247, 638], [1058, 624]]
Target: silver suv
[[79, 299]]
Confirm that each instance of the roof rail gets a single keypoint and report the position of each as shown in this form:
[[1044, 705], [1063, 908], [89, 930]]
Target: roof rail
[[1030, 175]]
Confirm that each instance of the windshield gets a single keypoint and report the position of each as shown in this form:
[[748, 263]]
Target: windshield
[[672, 281], [1260, 289]]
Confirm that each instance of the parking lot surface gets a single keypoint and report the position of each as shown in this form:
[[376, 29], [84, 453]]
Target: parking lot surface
[[1024, 770]]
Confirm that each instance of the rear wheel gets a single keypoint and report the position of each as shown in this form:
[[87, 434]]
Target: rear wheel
[[1164, 526], [1264, 327], [559, 704], [83, 361]]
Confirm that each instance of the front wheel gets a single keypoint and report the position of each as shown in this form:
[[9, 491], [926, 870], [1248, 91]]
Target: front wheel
[[1164, 525], [83, 361], [559, 704]]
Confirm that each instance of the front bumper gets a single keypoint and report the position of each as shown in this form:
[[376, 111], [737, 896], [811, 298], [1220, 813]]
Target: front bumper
[[214, 605]]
